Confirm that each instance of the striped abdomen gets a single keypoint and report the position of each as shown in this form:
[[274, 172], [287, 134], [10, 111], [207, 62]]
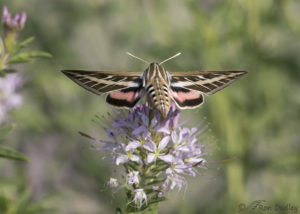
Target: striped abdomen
[[159, 96], [157, 87]]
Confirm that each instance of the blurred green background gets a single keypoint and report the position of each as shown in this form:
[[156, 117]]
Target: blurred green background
[[255, 122]]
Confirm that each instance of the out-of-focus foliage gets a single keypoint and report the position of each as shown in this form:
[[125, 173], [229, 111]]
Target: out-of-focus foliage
[[254, 122], [13, 199], [7, 152]]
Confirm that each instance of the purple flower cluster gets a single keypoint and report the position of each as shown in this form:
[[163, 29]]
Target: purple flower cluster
[[157, 153], [13, 24]]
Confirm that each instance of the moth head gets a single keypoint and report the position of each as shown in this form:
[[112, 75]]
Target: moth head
[[155, 70], [154, 66]]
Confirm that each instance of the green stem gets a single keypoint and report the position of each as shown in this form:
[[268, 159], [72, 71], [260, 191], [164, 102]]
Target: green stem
[[3, 61], [145, 173], [152, 209], [10, 42]]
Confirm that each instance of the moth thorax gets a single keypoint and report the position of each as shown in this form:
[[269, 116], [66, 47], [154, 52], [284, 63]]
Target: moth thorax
[[155, 71]]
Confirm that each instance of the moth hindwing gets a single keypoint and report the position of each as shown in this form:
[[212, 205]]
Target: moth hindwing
[[124, 89]]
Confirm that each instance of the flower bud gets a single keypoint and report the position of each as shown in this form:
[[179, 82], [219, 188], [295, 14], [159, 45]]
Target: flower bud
[[12, 28], [13, 25]]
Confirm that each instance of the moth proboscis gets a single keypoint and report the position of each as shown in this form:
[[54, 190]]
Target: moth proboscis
[[125, 89]]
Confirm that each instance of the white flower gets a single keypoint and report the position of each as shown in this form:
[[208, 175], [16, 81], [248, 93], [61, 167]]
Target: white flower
[[133, 178], [128, 157], [139, 197], [113, 182], [128, 150], [155, 151]]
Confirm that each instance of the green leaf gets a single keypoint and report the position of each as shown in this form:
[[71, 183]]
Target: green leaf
[[146, 209], [12, 154], [9, 70], [17, 60], [3, 72], [36, 54], [119, 211], [156, 200], [23, 200], [1, 46], [28, 56], [6, 129], [156, 181], [4, 202], [24, 43]]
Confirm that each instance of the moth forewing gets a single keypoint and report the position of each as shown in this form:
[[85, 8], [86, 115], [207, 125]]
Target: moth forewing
[[100, 82], [208, 82]]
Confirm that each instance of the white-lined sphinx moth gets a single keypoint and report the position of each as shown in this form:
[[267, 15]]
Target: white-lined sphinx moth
[[124, 89]]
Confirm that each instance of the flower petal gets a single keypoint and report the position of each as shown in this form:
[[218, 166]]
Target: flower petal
[[132, 145], [174, 137], [163, 143], [121, 159], [154, 121], [135, 158], [175, 118], [145, 119], [194, 160], [167, 158], [150, 158], [139, 130], [150, 146], [108, 146], [120, 123], [163, 130]]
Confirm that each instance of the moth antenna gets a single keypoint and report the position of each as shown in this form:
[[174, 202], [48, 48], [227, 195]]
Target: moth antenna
[[176, 55], [137, 57]]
